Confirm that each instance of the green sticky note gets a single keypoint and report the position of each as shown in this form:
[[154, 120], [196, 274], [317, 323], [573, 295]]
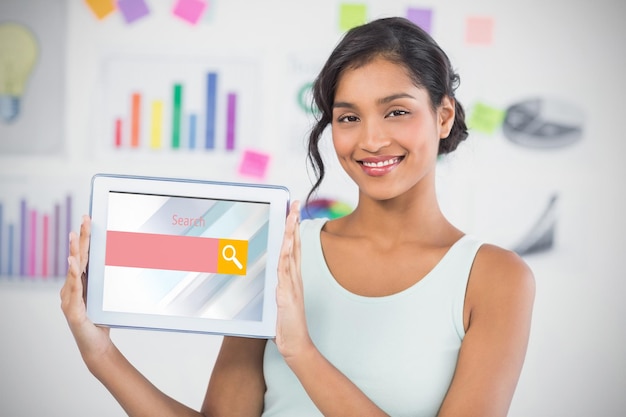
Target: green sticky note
[[485, 119], [351, 15]]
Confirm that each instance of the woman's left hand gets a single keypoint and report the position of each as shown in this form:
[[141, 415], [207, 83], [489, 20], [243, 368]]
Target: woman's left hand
[[292, 335]]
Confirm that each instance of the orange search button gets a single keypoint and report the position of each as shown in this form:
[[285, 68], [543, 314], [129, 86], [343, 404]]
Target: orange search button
[[232, 256]]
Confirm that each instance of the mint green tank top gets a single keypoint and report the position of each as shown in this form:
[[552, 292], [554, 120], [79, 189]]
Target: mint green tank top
[[400, 350]]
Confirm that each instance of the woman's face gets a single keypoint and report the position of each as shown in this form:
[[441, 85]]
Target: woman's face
[[385, 132]]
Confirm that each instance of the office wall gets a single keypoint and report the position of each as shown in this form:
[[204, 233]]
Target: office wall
[[566, 55]]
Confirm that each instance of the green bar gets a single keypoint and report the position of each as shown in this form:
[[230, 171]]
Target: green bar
[[176, 117]]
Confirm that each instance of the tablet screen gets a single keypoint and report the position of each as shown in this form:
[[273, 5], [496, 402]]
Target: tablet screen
[[185, 256]]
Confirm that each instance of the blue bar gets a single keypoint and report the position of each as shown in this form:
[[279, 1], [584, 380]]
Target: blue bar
[[10, 252], [211, 106], [192, 131]]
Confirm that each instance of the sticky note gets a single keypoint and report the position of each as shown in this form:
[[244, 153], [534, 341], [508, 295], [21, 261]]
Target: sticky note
[[421, 17], [485, 118], [133, 10], [101, 8], [351, 15], [479, 30], [254, 164], [189, 10]]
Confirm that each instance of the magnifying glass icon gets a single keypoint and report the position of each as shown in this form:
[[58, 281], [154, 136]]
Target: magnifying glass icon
[[232, 257]]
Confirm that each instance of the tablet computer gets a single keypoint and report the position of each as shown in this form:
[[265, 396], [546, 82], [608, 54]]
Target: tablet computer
[[184, 255]]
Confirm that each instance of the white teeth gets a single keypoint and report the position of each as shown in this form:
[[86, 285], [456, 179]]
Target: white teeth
[[380, 163]]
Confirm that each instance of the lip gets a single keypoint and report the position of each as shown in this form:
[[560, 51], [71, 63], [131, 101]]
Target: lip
[[380, 165]]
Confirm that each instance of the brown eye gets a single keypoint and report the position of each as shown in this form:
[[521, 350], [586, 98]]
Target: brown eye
[[347, 119], [396, 113]]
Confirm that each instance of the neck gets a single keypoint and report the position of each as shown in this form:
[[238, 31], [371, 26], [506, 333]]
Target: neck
[[403, 218]]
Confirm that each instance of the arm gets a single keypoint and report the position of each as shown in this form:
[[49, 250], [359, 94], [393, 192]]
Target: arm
[[137, 395], [237, 385], [331, 391], [499, 301]]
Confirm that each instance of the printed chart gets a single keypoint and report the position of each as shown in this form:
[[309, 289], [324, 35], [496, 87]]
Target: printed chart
[[173, 104], [35, 221]]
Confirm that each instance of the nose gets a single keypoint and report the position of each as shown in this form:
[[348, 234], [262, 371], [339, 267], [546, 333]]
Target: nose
[[374, 137]]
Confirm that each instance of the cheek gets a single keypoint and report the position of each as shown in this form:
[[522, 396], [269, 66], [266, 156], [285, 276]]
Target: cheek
[[341, 143], [419, 138]]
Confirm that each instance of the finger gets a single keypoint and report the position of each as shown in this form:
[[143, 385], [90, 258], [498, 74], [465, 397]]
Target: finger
[[71, 293], [85, 234], [296, 240], [294, 253], [290, 227]]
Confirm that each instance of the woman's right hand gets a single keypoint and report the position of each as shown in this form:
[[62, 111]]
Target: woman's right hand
[[92, 341]]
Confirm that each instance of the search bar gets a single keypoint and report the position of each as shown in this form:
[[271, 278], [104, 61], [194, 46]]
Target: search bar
[[176, 253]]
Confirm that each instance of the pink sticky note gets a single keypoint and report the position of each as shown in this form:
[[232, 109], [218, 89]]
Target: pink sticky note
[[479, 30], [189, 10], [133, 9], [254, 164], [421, 17]]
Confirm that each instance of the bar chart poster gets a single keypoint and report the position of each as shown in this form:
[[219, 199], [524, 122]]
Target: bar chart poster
[[35, 221], [178, 105]]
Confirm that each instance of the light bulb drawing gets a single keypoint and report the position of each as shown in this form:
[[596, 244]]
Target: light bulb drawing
[[18, 55]]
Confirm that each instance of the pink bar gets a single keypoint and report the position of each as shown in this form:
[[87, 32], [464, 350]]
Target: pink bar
[[156, 251], [44, 254], [33, 243]]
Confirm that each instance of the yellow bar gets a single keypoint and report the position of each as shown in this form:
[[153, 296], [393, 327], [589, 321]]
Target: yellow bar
[[156, 124]]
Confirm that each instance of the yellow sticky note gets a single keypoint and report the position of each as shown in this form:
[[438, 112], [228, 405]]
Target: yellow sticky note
[[351, 15], [485, 118], [101, 8]]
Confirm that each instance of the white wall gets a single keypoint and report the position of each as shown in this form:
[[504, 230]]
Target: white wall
[[571, 49]]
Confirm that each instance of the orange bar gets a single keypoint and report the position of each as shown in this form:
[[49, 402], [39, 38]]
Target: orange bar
[[157, 251], [135, 122]]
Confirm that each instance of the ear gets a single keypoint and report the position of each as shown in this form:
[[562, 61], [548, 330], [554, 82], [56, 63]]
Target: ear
[[445, 114]]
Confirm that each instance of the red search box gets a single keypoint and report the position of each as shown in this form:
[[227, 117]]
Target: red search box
[[157, 251]]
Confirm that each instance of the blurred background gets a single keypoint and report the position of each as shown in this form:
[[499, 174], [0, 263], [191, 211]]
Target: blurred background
[[220, 90]]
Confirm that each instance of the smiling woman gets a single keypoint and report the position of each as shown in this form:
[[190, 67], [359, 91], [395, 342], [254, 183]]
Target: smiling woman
[[399, 311], [391, 305]]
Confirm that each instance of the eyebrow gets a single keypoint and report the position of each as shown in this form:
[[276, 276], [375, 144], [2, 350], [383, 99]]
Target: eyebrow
[[384, 100]]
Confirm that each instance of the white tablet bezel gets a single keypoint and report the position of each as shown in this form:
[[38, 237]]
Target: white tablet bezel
[[103, 184]]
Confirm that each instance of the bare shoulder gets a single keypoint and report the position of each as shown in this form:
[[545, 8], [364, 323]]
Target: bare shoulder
[[500, 276], [501, 267]]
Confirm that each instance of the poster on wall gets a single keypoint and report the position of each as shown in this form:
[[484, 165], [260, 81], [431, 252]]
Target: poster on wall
[[36, 216], [32, 75], [169, 105]]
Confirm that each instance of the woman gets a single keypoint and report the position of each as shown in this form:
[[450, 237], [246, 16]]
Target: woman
[[390, 310]]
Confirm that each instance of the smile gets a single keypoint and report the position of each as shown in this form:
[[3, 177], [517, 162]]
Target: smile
[[380, 164]]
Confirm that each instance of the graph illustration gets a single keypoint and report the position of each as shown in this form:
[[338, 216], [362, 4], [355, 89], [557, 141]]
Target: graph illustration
[[174, 104], [35, 220]]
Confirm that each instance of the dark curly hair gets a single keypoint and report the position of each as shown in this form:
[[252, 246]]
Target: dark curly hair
[[398, 40]]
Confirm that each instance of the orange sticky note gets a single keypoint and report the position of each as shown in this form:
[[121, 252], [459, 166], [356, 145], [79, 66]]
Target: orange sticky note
[[479, 30], [101, 8]]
